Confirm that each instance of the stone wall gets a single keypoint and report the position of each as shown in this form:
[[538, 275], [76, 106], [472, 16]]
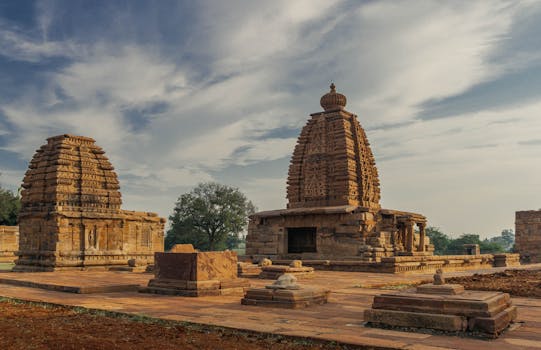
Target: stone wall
[[9, 243], [343, 232], [528, 235]]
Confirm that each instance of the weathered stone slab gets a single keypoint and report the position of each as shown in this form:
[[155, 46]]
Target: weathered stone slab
[[486, 313], [445, 289], [451, 323], [285, 298]]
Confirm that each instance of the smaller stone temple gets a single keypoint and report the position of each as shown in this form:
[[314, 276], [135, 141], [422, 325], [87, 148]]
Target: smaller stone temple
[[528, 235], [333, 194], [70, 216], [9, 243]]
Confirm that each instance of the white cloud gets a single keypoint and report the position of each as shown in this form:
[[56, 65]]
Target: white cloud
[[265, 66]]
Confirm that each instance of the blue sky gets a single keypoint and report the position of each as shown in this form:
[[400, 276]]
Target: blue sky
[[182, 92]]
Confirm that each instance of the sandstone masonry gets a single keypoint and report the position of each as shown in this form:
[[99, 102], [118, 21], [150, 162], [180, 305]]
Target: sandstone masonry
[[528, 235], [71, 216]]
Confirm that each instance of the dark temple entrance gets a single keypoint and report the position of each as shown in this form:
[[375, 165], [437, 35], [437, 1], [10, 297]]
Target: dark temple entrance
[[301, 240]]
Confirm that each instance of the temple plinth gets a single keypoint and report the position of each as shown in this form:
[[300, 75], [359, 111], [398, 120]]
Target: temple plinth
[[333, 193], [71, 217]]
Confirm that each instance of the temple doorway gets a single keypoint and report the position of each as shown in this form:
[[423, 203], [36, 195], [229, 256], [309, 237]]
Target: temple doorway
[[301, 240]]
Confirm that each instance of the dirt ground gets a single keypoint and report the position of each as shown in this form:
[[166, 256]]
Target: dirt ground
[[520, 283], [42, 326]]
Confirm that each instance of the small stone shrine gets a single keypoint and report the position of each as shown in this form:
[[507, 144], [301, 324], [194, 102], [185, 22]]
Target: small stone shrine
[[333, 194], [9, 243], [196, 274], [295, 268], [443, 307], [285, 293], [71, 217]]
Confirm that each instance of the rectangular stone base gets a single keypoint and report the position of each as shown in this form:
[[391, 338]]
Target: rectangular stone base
[[449, 323], [196, 288], [248, 270], [59, 287], [443, 289], [285, 298], [484, 313]]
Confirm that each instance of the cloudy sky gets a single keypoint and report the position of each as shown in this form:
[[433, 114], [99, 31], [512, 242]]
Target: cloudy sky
[[179, 92]]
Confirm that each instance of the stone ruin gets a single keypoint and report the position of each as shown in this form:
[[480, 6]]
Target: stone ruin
[[195, 274], [295, 268], [9, 243], [285, 293], [71, 217], [333, 194], [443, 307], [528, 235]]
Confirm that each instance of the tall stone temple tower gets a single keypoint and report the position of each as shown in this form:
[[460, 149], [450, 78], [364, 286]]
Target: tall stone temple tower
[[71, 216], [332, 163], [333, 194]]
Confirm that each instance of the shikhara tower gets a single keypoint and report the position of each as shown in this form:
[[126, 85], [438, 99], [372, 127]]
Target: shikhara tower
[[71, 216]]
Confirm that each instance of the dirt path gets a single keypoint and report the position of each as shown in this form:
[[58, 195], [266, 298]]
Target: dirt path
[[36, 326], [519, 283]]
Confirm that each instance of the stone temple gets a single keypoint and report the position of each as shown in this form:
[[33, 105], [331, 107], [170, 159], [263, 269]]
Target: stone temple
[[71, 216], [333, 194]]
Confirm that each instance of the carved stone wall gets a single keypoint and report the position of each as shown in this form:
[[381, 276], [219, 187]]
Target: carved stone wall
[[71, 216], [528, 235], [9, 243]]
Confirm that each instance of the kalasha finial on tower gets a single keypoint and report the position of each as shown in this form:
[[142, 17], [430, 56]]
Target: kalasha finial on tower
[[333, 100]]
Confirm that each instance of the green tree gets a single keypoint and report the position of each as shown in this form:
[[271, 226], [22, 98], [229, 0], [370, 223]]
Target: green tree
[[439, 239], [506, 239], [456, 246], [208, 215], [490, 247], [10, 204]]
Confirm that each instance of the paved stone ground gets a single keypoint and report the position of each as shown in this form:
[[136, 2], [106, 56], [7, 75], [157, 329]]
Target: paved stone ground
[[340, 320]]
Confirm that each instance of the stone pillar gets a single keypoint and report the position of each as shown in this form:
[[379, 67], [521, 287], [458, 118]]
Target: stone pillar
[[421, 226], [409, 236]]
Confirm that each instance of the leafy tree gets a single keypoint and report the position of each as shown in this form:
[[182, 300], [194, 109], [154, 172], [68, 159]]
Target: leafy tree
[[10, 204], [506, 239], [489, 247], [210, 217], [439, 239], [456, 246]]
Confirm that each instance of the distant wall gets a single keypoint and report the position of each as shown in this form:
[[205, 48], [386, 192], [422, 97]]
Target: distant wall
[[528, 235], [9, 243]]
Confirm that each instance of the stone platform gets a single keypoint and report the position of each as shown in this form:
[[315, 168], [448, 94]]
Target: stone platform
[[246, 269], [272, 272], [412, 264], [445, 308], [196, 274], [340, 320], [285, 298], [81, 282]]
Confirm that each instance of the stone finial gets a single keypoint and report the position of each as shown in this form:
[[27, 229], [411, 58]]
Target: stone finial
[[286, 281], [332, 99], [296, 263], [438, 278], [265, 262]]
